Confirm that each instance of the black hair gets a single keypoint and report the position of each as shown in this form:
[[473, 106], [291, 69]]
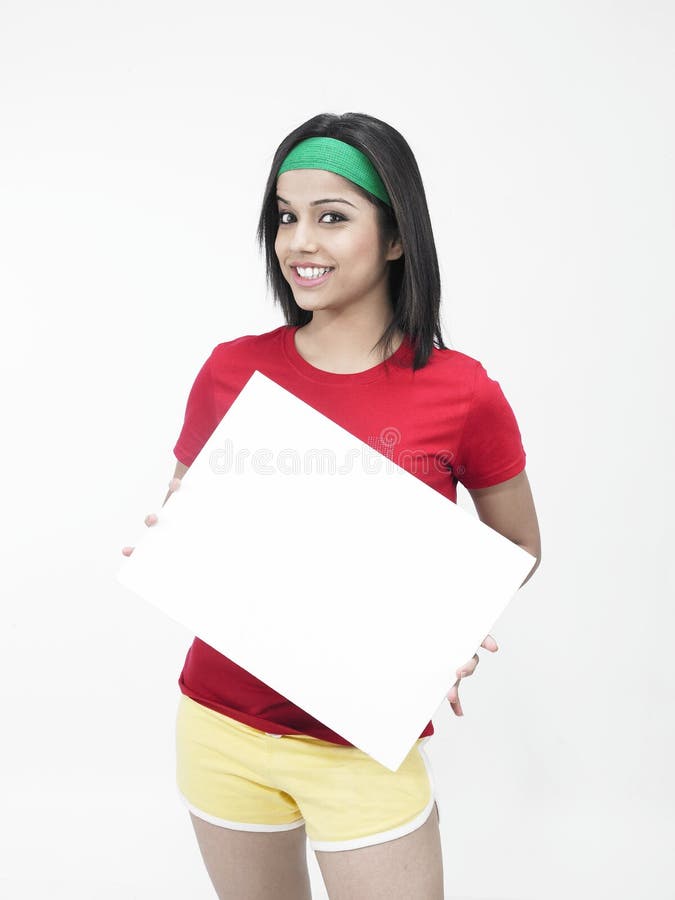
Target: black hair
[[414, 278]]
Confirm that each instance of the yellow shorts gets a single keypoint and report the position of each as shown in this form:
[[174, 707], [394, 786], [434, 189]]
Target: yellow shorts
[[233, 775]]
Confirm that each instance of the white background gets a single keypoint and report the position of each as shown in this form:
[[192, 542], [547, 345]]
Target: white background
[[136, 138]]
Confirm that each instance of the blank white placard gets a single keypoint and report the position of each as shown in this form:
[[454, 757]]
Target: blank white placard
[[326, 570]]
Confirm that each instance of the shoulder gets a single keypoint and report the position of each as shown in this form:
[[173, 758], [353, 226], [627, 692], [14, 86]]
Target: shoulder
[[472, 370], [456, 368], [452, 359], [247, 346]]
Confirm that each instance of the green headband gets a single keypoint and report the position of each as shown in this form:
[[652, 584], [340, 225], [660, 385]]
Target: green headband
[[339, 157]]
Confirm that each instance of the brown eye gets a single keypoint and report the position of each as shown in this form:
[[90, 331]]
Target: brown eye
[[337, 216]]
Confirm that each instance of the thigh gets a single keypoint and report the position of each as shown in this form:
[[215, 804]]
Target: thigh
[[408, 866], [254, 865]]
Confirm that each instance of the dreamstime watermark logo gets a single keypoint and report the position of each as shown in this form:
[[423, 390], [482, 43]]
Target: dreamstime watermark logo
[[373, 455]]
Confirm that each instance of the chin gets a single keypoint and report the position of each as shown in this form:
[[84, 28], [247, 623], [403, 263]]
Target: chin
[[305, 303]]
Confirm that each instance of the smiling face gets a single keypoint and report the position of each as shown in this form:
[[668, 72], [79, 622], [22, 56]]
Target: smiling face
[[325, 222]]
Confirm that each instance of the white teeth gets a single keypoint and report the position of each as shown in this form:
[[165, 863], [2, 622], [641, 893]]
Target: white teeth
[[311, 272]]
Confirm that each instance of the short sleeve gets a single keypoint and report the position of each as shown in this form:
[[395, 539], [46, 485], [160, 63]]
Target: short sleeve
[[491, 449], [200, 418]]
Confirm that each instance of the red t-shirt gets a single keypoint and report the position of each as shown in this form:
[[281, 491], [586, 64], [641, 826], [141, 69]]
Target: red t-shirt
[[444, 423]]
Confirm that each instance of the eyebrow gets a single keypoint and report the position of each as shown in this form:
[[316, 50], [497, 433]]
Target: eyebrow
[[319, 202]]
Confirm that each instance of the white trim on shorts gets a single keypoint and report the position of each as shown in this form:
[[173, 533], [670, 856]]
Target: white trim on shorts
[[239, 826]]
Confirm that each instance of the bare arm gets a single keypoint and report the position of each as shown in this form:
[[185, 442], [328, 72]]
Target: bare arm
[[509, 509]]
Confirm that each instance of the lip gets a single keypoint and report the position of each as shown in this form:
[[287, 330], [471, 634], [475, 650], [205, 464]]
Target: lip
[[304, 264]]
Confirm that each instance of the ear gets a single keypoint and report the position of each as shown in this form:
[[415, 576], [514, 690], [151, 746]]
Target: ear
[[395, 250]]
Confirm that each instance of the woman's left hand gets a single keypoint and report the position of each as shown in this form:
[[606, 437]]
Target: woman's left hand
[[468, 669]]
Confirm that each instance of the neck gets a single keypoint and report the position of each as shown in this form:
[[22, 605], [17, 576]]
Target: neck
[[347, 339]]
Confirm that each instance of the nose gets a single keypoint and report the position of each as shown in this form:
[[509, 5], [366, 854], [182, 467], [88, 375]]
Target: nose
[[303, 238]]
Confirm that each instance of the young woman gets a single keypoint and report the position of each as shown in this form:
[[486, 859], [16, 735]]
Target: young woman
[[351, 259]]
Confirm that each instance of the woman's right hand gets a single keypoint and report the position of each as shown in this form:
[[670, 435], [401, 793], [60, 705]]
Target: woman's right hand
[[151, 518]]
